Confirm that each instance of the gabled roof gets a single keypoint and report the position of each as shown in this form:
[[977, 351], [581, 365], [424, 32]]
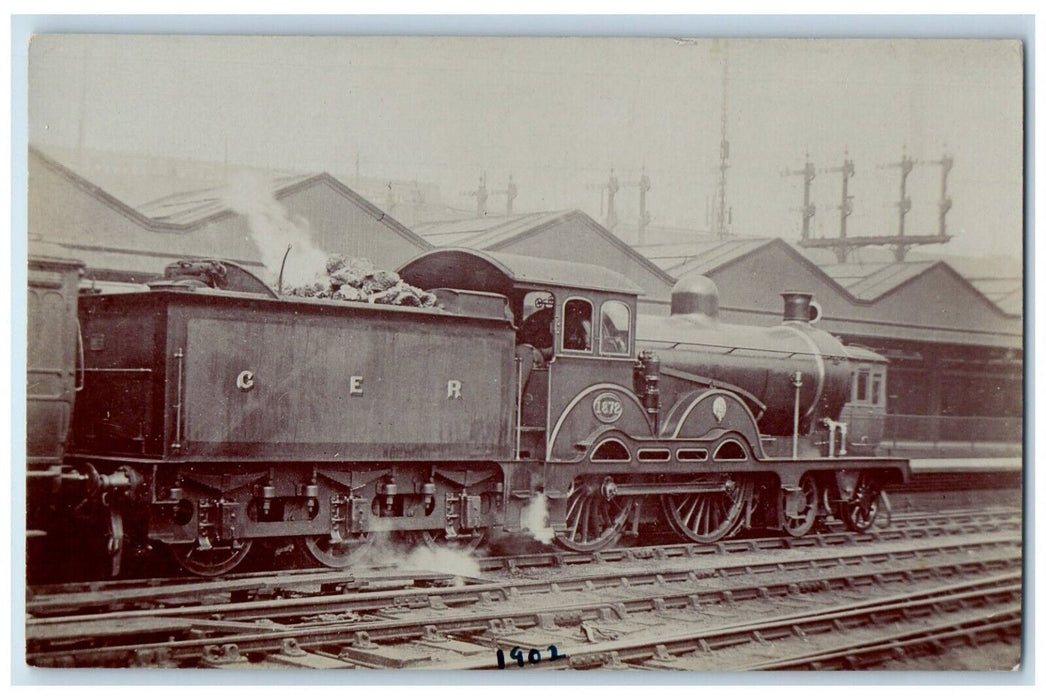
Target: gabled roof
[[700, 256], [187, 207], [189, 211], [861, 283], [873, 281], [498, 232], [484, 232], [1006, 293]]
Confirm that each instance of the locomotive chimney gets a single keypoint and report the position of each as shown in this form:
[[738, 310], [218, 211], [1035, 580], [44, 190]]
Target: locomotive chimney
[[695, 294], [797, 306]]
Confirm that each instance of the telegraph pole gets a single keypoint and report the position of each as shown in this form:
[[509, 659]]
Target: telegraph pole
[[904, 204], [809, 209], [724, 153], [846, 205], [480, 193], [510, 193], [944, 204], [644, 215], [902, 241]]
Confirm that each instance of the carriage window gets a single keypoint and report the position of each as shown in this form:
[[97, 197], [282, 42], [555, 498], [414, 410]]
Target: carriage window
[[577, 325], [877, 384], [539, 310], [861, 386], [614, 328]]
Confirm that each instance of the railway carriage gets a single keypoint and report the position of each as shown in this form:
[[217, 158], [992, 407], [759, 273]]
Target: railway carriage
[[216, 414]]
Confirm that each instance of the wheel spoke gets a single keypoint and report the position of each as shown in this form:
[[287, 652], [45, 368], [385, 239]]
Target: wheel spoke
[[861, 512], [214, 561], [708, 516], [579, 502], [335, 555], [803, 521], [592, 521], [694, 503]]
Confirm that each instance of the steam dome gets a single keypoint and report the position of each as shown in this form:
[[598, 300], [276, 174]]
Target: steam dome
[[695, 294]]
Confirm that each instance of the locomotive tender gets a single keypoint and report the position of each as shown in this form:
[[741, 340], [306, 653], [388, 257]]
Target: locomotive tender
[[214, 418]]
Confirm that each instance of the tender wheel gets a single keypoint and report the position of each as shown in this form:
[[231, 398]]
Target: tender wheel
[[326, 552], [467, 542], [861, 511], [708, 517], [210, 562], [806, 516], [593, 521]]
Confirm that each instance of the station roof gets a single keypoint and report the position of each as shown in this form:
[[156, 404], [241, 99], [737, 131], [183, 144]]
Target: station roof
[[869, 282], [53, 253], [192, 210], [499, 272], [701, 256], [864, 282], [188, 207], [486, 232]]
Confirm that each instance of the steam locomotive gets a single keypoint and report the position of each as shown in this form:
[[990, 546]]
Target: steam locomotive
[[211, 413]]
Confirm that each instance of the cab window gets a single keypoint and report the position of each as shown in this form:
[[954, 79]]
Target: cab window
[[614, 328], [539, 309], [577, 325]]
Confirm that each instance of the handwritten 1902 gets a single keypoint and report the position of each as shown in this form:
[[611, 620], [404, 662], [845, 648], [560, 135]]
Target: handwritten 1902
[[522, 657]]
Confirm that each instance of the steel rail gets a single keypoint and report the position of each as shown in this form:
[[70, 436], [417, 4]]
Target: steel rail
[[46, 606], [640, 648], [42, 599], [453, 595], [998, 624], [274, 637]]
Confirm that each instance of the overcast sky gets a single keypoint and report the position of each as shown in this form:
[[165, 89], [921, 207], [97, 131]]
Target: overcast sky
[[559, 113]]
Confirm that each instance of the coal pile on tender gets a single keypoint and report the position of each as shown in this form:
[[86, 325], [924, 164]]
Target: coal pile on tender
[[356, 279]]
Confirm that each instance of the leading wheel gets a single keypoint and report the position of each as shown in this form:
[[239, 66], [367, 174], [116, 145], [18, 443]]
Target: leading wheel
[[326, 552], [860, 512], [708, 517], [213, 561], [593, 521], [805, 516]]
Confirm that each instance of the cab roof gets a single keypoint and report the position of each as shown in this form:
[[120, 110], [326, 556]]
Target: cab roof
[[863, 354], [480, 270]]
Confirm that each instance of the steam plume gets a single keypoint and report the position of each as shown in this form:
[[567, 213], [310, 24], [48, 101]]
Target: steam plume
[[250, 194], [534, 519]]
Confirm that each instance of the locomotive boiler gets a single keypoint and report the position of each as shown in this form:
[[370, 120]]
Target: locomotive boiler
[[791, 376], [216, 414]]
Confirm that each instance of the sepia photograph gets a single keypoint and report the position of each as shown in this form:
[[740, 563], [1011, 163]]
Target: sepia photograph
[[512, 354]]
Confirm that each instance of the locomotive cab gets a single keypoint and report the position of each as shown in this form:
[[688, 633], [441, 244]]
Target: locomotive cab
[[575, 332]]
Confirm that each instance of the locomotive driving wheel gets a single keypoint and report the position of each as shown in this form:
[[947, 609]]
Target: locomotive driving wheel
[[335, 555], [708, 517], [802, 521], [593, 520], [210, 561], [861, 511]]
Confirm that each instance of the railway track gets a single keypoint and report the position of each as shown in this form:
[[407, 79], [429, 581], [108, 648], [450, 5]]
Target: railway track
[[988, 607], [409, 627], [151, 593]]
